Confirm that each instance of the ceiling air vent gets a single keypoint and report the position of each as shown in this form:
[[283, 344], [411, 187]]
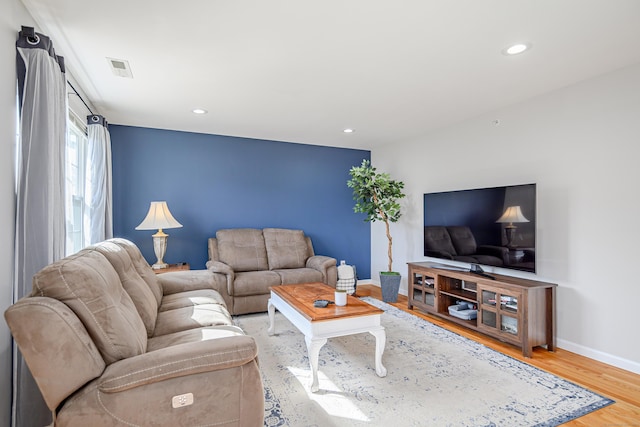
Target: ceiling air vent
[[120, 67]]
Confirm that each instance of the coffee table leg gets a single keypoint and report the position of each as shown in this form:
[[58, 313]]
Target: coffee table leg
[[313, 350], [272, 318], [381, 339]]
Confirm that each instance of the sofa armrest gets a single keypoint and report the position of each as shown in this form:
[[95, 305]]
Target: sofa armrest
[[218, 267], [56, 346], [178, 361], [325, 265], [529, 255]]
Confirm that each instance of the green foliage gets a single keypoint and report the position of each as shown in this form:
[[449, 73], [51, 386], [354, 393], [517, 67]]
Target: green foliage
[[377, 196]]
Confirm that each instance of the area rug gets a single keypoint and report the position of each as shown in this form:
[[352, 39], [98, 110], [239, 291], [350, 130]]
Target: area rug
[[435, 378]]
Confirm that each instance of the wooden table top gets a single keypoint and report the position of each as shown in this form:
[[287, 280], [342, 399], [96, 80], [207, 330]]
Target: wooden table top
[[302, 296], [173, 267]]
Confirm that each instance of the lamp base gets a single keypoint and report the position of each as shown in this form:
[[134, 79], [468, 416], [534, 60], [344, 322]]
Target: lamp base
[[160, 266], [510, 231], [160, 247]]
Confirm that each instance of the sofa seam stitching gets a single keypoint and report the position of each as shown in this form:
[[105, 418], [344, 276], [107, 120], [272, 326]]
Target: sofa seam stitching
[[168, 372]]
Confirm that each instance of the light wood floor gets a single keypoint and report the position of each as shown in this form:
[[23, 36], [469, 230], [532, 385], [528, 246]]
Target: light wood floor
[[606, 380]]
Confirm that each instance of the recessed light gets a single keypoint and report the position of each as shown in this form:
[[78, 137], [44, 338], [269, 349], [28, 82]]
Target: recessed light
[[199, 111], [516, 48], [349, 130]]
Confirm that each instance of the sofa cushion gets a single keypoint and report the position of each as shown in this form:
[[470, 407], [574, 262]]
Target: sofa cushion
[[285, 248], [243, 249], [193, 335], [463, 240], [197, 316], [292, 276], [191, 280], [88, 284], [191, 298], [254, 283], [140, 293], [142, 266], [437, 239]]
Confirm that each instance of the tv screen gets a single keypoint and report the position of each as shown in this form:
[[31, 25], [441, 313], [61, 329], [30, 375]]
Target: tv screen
[[486, 226]]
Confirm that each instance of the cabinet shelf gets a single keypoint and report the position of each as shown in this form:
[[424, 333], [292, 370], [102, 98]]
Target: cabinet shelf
[[472, 323], [461, 294], [514, 310]]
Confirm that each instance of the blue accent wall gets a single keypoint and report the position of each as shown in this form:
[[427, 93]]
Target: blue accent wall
[[212, 182]]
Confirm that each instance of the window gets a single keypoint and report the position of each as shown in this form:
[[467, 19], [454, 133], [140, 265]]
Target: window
[[75, 182]]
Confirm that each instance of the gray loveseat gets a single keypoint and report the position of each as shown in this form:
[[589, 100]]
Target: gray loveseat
[[251, 260], [110, 343]]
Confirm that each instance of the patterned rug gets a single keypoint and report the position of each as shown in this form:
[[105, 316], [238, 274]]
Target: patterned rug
[[435, 378]]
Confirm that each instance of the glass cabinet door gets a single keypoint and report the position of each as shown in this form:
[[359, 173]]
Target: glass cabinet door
[[488, 314], [500, 311], [488, 297], [489, 318], [508, 314], [509, 324], [423, 289], [509, 304], [423, 280]]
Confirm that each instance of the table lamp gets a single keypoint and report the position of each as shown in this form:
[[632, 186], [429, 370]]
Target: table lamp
[[158, 218], [511, 214]]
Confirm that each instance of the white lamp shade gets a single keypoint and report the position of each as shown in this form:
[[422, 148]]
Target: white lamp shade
[[512, 214], [158, 218]]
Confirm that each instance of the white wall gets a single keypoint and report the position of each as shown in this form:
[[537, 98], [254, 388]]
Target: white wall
[[12, 16], [581, 146]]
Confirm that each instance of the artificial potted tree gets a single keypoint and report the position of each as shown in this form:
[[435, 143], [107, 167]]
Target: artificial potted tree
[[377, 196]]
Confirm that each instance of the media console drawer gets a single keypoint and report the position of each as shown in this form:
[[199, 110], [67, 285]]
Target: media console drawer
[[511, 309]]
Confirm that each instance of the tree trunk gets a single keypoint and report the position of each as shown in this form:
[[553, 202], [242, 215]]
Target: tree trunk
[[389, 252], [384, 217]]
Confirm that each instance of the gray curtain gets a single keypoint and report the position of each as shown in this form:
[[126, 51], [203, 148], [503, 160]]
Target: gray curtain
[[98, 190], [40, 227]]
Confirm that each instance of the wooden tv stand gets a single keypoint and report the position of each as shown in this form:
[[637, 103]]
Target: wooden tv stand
[[514, 310]]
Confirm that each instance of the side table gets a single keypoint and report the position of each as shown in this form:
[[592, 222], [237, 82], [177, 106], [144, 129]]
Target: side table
[[181, 266]]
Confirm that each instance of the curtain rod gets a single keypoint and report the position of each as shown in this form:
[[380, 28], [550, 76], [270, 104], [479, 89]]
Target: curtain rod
[[81, 99]]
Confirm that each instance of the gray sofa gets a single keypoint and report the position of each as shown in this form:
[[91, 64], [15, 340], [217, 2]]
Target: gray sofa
[[110, 343], [250, 260]]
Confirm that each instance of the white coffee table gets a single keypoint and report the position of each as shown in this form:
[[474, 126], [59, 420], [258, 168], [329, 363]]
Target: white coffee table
[[295, 302]]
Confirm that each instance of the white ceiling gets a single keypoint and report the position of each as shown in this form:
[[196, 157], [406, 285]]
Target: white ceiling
[[302, 71]]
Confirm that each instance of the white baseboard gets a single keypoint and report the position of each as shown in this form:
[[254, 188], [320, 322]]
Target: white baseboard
[[367, 282], [600, 356], [401, 291]]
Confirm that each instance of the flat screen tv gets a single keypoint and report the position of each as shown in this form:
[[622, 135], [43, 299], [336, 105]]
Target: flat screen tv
[[486, 226]]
